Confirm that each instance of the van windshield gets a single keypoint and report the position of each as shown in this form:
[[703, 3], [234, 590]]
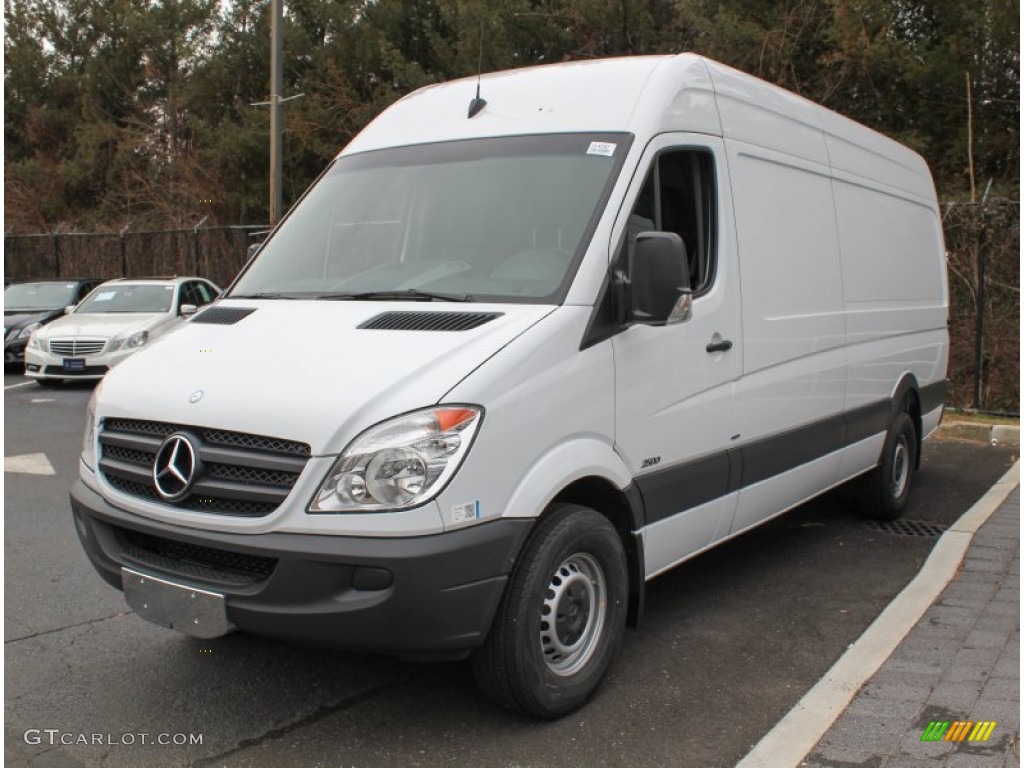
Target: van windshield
[[502, 219]]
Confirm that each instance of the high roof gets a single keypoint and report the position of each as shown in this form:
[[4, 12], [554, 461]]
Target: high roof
[[646, 96]]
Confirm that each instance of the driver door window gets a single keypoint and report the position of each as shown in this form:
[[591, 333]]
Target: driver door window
[[678, 196]]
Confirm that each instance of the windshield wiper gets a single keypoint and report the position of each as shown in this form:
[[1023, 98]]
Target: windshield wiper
[[260, 296], [408, 294]]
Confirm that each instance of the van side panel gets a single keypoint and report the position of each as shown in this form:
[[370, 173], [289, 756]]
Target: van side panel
[[894, 288], [789, 259], [894, 276], [860, 152], [794, 328]]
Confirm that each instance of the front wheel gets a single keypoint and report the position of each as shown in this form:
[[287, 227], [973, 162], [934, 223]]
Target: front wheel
[[561, 620], [884, 491]]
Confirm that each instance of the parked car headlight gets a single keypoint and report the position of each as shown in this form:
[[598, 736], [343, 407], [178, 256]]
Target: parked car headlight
[[130, 342], [28, 329], [37, 343], [402, 462]]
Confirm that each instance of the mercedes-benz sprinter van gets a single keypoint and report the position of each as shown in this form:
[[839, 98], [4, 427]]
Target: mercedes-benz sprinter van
[[513, 356]]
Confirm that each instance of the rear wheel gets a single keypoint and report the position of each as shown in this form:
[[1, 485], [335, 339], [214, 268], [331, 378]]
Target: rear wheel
[[561, 620], [884, 491]]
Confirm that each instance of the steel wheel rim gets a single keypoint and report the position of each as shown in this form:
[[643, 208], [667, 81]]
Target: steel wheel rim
[[900, 466], [573, 614]]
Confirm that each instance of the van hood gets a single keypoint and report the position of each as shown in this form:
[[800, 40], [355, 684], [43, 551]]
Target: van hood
[[306, 370], [104, 325]]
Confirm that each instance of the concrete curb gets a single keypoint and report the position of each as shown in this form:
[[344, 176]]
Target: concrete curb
[[995, 434], [802, 728]]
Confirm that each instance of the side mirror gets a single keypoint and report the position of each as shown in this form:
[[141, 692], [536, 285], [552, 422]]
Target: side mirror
[[660, 280], [187, 309], [252, 249], [69, 309]]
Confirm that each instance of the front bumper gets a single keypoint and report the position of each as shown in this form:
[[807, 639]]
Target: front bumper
[[425, 596], [44, 365]]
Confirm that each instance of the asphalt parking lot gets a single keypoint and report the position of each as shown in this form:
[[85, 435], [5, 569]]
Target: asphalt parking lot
[[730, 641]]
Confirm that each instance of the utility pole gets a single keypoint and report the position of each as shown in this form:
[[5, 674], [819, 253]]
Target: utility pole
[[276, 76], [276, 121]]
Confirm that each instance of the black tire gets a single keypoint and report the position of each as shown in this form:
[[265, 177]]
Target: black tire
[[548, 669], [884, 491]]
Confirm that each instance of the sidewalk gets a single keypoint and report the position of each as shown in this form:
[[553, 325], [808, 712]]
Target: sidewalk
[[961, 662]]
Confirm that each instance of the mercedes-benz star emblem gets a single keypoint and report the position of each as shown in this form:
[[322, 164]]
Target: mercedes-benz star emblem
[[196, 396], [174, 467]]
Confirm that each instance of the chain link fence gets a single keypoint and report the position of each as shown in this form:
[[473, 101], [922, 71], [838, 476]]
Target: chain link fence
[[216, 253], [982, 242], [983, 250]]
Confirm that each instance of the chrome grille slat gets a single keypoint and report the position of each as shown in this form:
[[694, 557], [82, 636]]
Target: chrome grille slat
[[77, 346], [241, 474]]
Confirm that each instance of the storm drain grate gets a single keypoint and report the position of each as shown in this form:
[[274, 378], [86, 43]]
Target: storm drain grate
[[908, 528]]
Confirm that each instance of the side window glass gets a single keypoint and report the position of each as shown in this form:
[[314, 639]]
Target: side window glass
[[679, 196], [205, 293]]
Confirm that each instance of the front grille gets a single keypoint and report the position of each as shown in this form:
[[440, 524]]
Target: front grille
[[193, 560], [162, 429], [237, 474], [77, 347]]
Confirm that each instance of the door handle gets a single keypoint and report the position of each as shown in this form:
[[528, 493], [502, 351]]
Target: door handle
[[719, 346]]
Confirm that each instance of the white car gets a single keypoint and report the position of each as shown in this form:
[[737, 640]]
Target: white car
[[115, 320]]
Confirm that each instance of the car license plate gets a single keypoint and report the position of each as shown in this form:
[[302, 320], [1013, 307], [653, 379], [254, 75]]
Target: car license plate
[[72, 364], [193, 611]]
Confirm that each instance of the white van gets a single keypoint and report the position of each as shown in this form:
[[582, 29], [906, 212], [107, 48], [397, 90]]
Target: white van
[[513, 356]]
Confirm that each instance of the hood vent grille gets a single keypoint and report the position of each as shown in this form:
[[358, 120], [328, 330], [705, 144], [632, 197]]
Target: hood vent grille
[[223, 315], [429, 321]]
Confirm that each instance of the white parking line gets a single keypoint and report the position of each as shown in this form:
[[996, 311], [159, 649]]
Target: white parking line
[[29, 464], [15, 386], [42, 400]]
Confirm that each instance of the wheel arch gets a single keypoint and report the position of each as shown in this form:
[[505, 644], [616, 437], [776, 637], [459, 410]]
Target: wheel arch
[[624, 510], [906, 396]]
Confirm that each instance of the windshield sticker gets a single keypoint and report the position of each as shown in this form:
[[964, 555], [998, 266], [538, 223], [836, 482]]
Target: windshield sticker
[[105, 296], [601, 148]]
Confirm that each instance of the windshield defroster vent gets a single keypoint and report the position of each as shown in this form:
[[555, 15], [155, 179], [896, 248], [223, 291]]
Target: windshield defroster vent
[[223, 315], [429, 321]]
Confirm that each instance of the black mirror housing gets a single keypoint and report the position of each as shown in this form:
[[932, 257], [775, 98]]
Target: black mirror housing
[[659, 279]]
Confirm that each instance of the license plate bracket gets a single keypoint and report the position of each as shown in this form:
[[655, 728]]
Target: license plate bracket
[[190, 610]]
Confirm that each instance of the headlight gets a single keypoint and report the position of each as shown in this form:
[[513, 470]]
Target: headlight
[[28, 329], [401, 462], [131, 342], [37, 343]]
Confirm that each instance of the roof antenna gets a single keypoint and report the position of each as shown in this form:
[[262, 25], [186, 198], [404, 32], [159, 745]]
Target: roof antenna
[[477, 103]]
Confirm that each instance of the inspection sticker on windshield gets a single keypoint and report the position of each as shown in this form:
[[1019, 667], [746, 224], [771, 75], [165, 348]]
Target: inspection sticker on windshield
[[462, 513], [601, 148], [105, 296]]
